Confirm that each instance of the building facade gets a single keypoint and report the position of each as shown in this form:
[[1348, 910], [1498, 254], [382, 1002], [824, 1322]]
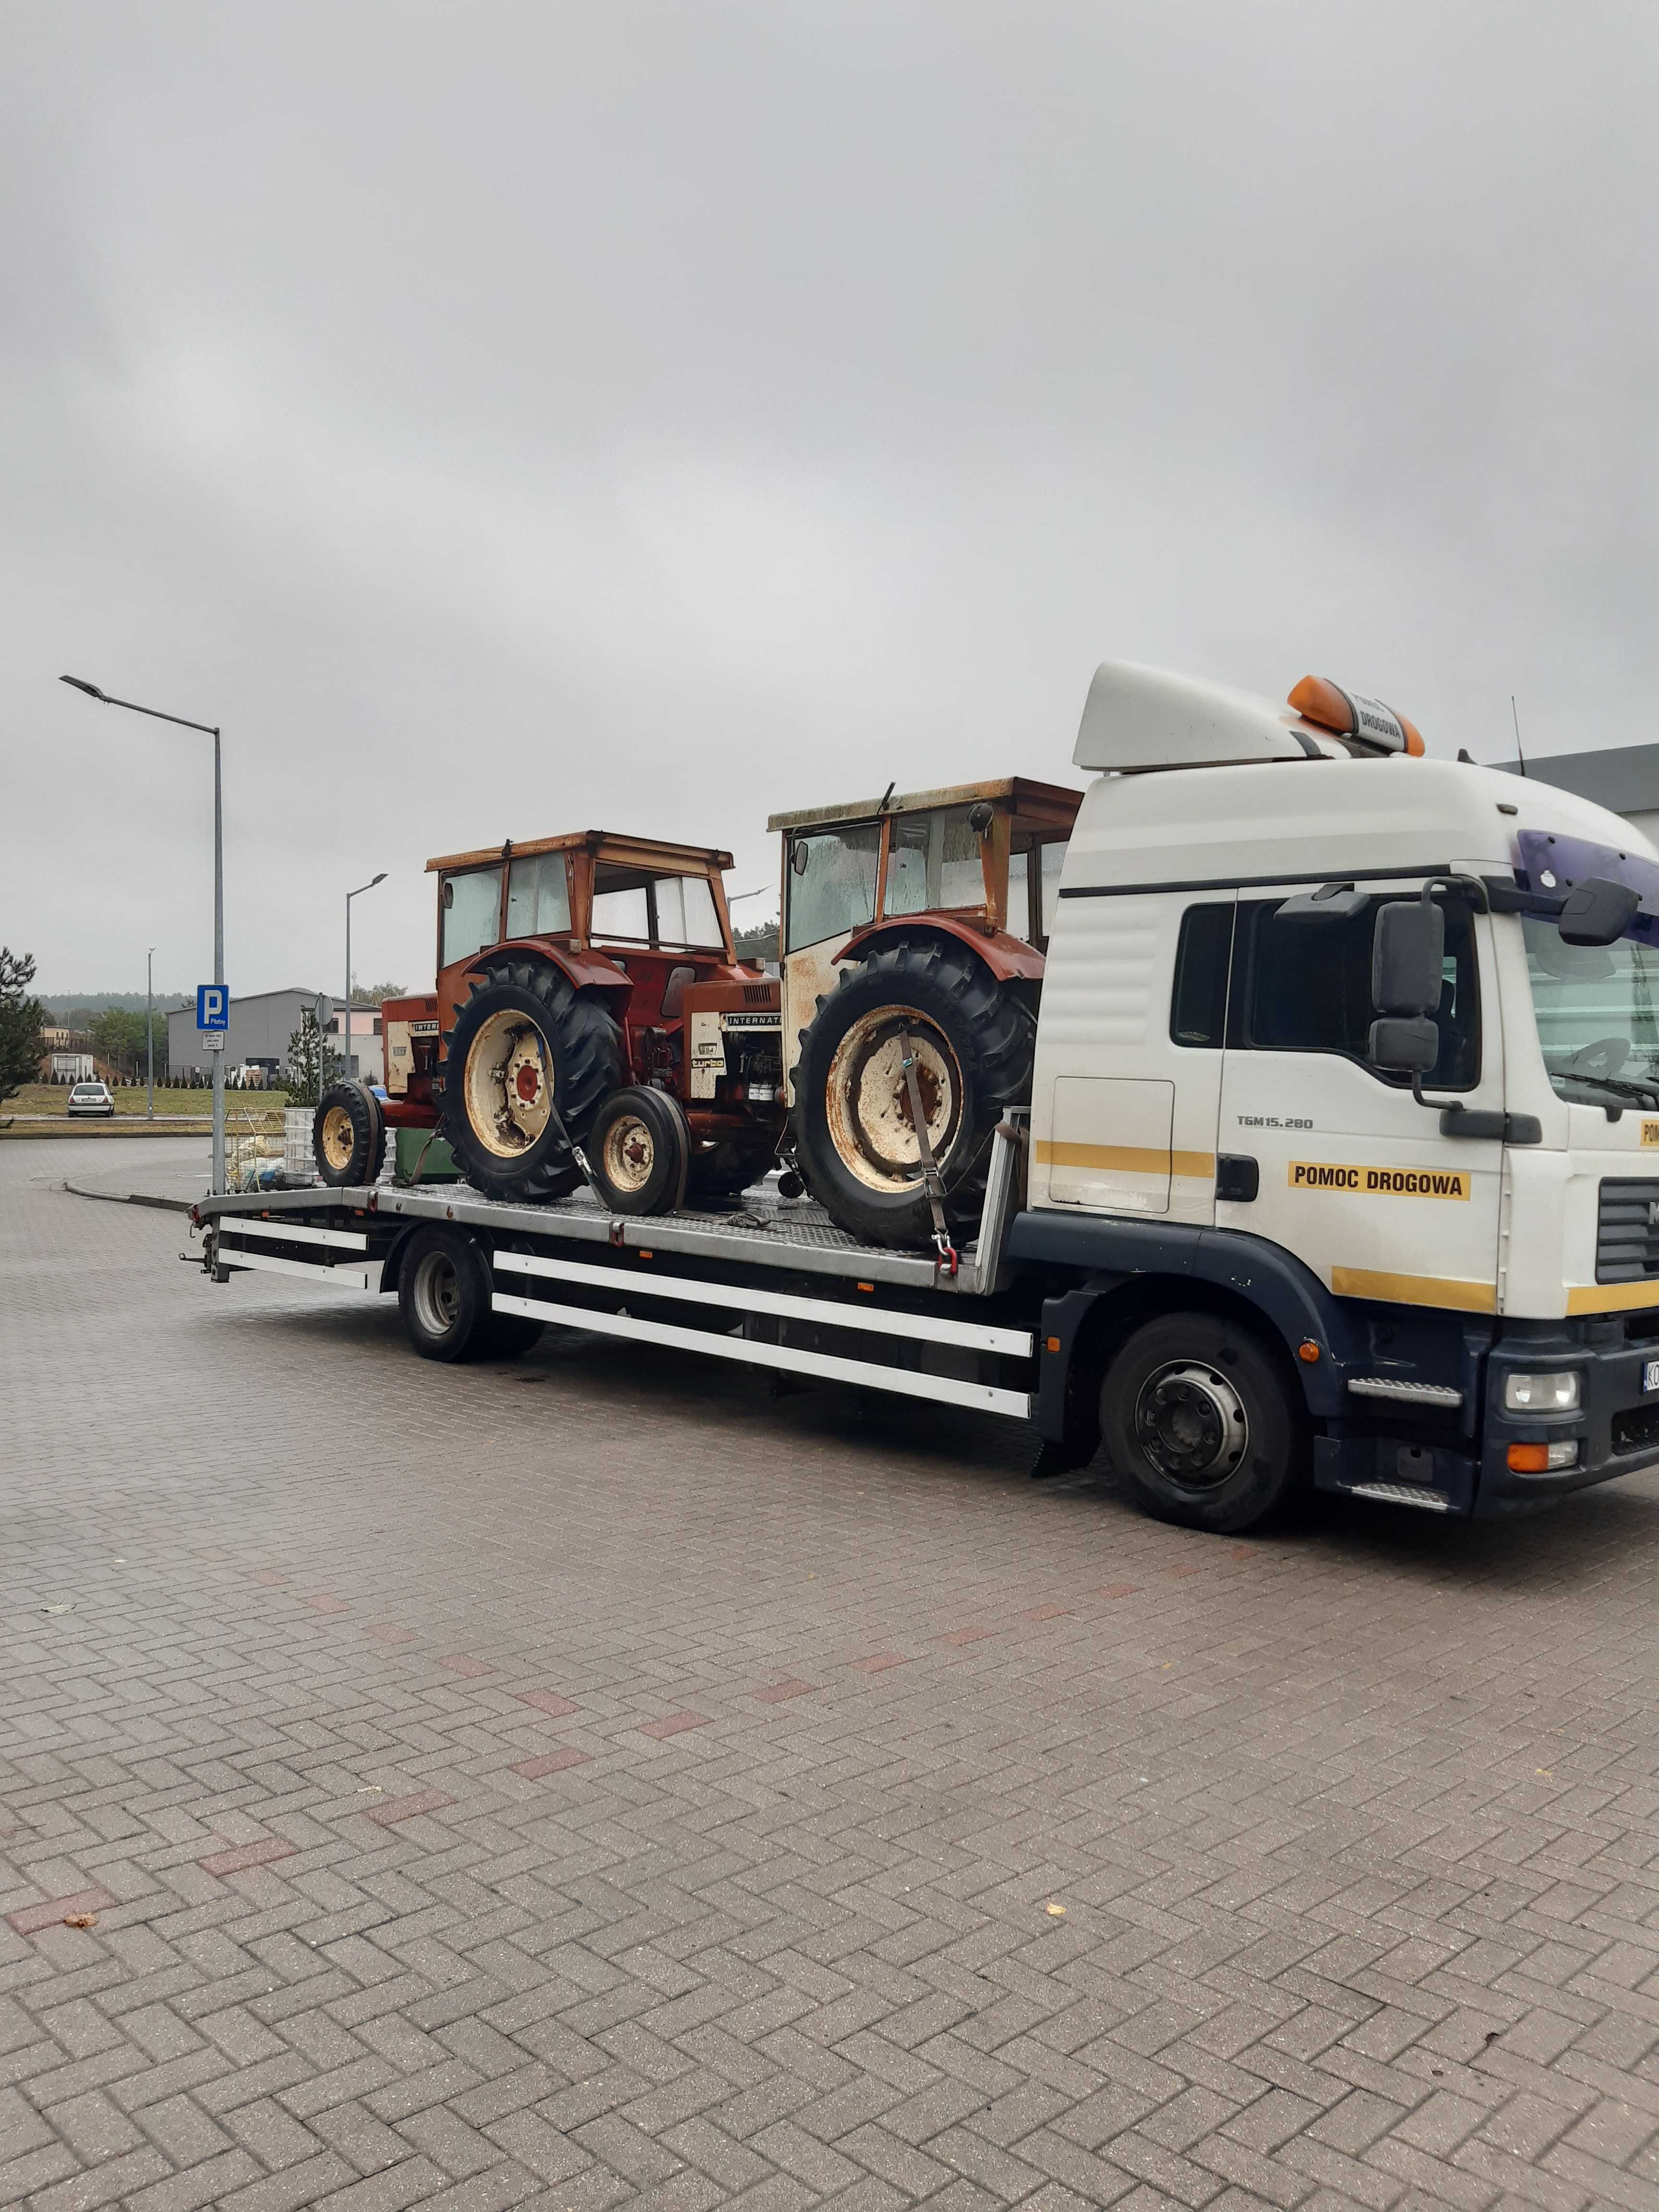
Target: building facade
[[257, 1039]]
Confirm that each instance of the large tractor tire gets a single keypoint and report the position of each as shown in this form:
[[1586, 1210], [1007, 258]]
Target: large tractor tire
[[347, 1136], [524, 1041], [856, 1139]]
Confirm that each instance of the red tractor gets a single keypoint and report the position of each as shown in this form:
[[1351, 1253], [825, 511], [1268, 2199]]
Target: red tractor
[[589, 1005]]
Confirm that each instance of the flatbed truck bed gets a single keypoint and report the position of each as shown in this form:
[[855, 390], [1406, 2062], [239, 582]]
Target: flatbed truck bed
[[770, 1282]]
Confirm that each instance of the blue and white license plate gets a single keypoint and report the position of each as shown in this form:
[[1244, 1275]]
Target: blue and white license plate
[[1650, 1375]]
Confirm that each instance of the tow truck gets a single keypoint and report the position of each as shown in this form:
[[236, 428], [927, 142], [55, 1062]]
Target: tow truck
[[1339, 1164]]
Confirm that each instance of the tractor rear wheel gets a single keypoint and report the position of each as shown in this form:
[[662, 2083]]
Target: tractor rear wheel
[[855, 1135], [525, 1040], [347, 1136]]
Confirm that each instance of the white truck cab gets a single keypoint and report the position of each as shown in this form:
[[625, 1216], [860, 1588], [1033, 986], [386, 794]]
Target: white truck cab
[[1475, 1237]]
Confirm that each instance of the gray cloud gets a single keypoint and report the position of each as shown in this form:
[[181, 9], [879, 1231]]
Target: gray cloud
[[510, 418]]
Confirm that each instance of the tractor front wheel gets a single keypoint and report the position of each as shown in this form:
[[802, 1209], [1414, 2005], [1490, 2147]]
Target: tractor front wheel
[[526, 1041], [638, 1148], [347, 1136]]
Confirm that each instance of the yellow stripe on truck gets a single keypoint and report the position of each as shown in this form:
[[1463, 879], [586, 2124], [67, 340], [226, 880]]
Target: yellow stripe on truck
[[1610, 1297], [1415, 1290], [1133, 1160], [1380, 1182]]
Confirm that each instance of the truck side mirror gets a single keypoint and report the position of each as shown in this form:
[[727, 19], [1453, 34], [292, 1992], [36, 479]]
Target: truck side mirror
[[1404, 1044], [1597, 912], [1407, 951]]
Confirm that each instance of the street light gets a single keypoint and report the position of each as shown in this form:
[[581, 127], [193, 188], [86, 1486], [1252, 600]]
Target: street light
[[345, 1019], [207, 729], [149, 1033]]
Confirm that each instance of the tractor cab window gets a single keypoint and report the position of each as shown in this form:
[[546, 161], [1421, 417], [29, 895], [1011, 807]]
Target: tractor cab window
[[631, 907], [472, 912], [934, 862], [830, 884], [1034, 887], [686, 913], [538, 897]]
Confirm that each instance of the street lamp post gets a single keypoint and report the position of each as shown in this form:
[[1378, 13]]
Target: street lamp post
[[150, 1034], [207, 729], [345, 1019]]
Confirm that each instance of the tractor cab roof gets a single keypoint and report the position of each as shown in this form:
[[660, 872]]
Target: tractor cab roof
[[1033, 805], [644, 856]]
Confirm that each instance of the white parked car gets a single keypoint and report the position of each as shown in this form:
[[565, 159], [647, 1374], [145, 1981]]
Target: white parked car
[[91, 1098]]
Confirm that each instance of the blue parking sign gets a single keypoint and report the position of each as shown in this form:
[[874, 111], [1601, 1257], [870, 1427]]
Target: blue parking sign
[[212, 1006]]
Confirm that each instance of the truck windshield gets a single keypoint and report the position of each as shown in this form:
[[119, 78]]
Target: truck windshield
[[1597, 1008]]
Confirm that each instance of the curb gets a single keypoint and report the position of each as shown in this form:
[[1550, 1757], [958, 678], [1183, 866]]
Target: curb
[[133, 1198]]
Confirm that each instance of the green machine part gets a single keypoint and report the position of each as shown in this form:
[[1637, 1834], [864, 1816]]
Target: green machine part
[[422, 1155]]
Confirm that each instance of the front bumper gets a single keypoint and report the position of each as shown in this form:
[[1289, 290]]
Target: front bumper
[[1616, 1426]]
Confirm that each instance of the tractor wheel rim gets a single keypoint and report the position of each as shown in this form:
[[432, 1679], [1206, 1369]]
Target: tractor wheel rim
[[1191, 1423], [508, 1084], [339, 1139], [437, 1293], [629, 1154], [868, 1097]]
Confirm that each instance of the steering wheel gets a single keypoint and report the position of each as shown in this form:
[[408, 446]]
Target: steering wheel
[[1605, 1057]]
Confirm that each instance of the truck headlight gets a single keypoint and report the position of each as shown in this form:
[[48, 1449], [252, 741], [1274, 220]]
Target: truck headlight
[[1542, 1394]]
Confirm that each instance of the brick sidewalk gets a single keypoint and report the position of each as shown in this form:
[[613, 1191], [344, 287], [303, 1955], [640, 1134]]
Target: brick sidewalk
[[595, 1782]]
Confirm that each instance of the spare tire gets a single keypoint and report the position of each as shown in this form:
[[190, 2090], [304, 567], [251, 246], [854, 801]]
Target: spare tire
[[856, 1139], [524, 1041], [347, 1136]]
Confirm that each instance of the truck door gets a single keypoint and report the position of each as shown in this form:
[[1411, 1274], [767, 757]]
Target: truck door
[[1350, 1174], [1127, 1083]]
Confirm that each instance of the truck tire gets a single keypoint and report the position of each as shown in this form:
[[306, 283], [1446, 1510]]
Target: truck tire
[[524, 1038], [638, 1148], [1197, 1418], [347, 1136], [726, 1170], [855, 1142], [444, 1289]]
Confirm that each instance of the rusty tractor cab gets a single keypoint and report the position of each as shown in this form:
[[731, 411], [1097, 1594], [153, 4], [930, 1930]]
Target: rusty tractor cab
[[913, 928], [588, 994]]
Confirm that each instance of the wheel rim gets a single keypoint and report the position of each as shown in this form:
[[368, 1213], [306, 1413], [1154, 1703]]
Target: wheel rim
[[628, 1154], [508, 1084], [339, 1139], [868, 1097], [437, 1293], [1191, 1423]]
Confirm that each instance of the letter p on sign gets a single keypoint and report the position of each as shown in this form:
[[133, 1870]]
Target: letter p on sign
[[212, 1006]]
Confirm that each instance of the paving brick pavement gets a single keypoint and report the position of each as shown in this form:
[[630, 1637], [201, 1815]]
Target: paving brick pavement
[[595, 1781]]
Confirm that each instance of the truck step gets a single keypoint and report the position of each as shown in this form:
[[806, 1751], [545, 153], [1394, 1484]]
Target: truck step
[[1407, 1393]]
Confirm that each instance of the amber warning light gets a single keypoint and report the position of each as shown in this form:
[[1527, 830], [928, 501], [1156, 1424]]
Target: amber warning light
[[1351, 714]]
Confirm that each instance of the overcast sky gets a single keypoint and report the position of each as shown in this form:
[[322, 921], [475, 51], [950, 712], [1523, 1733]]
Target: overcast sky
[[511, 419]]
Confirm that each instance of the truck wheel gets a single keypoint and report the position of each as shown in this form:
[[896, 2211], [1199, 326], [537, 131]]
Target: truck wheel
[[638, 1148], [1198, 1420], [347, 1136], [525, 1038], [444, 1290], [856, 1141], [443, 1294], [726, 1170]]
